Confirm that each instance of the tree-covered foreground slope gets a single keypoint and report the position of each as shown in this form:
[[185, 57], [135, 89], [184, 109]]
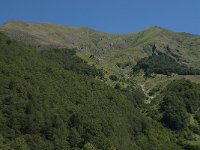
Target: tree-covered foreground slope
[[177, 107], [45, 105]]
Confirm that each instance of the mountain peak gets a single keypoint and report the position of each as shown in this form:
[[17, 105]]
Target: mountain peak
[[156, 29], [13, 21]]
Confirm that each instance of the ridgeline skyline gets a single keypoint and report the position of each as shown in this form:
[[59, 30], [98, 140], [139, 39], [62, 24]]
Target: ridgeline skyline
[[107, 16]]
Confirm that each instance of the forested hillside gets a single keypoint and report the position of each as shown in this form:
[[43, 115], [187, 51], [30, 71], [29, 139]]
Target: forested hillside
[[177, 108], [163, 64], [81, 89], [49, 103]]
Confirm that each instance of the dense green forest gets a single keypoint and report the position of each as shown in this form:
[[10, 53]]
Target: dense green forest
[[178, 110], [46, 103], [181, 98], [67, 59], [163, 64]]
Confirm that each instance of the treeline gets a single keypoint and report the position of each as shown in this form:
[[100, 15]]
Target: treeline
[[46, 104], [163, 64], [68, 59]]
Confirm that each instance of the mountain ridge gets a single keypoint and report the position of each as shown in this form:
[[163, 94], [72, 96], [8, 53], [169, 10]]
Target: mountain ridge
[[108, 49], [13, 21]]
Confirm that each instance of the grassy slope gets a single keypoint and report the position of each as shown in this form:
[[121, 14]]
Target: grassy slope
[[108, 49]]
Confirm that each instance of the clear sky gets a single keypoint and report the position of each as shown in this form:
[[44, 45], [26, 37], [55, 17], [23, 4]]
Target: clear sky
[[116, 16]]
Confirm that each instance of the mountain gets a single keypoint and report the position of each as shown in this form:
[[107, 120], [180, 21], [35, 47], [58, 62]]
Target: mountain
[[77, 88], [105, 50], [46, 103]]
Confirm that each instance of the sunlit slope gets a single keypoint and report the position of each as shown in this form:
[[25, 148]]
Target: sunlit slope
[[105, 50]]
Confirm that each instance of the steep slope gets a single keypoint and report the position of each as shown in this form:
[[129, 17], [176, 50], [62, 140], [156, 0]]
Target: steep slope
[[46, 35], [47, 106], [177, 107], [105, 50]]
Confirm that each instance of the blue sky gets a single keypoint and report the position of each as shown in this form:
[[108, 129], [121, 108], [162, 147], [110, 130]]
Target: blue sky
[[116, 16]]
